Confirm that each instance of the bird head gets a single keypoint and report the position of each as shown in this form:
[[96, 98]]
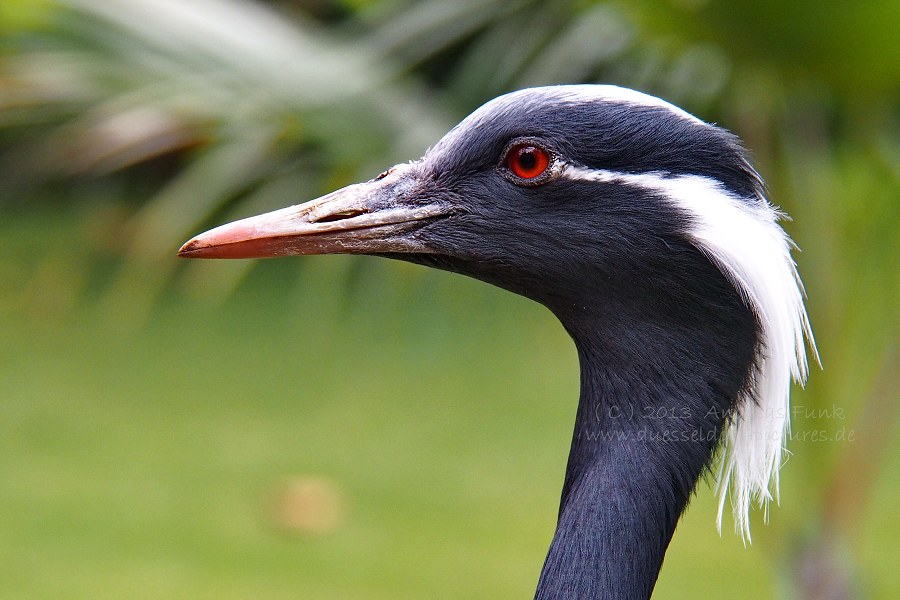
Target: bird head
[[538, 191], [574, 195]]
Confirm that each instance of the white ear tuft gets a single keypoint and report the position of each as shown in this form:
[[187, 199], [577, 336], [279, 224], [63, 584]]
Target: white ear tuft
[[743, 238], [755, 253]]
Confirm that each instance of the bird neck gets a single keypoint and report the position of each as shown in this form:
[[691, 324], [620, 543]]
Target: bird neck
[[654, 401]]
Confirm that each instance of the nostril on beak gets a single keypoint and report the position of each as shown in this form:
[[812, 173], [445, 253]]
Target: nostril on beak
[[340, 216]]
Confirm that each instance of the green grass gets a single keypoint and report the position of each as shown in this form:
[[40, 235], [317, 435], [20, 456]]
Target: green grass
[[141, 463]]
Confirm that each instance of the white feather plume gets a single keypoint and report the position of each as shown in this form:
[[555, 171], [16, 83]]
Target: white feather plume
[[743, 238]]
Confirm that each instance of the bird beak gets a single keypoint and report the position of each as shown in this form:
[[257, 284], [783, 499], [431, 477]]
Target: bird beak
[[366, 218]]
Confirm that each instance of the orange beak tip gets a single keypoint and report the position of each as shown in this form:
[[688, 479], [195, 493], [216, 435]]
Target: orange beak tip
[[188, 248]]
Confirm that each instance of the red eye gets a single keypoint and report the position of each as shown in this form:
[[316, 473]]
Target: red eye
[[527, 161]]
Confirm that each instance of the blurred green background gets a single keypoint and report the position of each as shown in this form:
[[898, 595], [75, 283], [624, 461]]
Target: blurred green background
[[339, 427]]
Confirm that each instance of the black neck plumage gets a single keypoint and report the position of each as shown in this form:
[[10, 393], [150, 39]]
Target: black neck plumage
[[657, 389], [666, 346]]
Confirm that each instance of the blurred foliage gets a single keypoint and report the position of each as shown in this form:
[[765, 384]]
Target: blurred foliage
[[140, 122]]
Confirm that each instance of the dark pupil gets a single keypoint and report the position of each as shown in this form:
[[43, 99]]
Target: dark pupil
[[527, 158]]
